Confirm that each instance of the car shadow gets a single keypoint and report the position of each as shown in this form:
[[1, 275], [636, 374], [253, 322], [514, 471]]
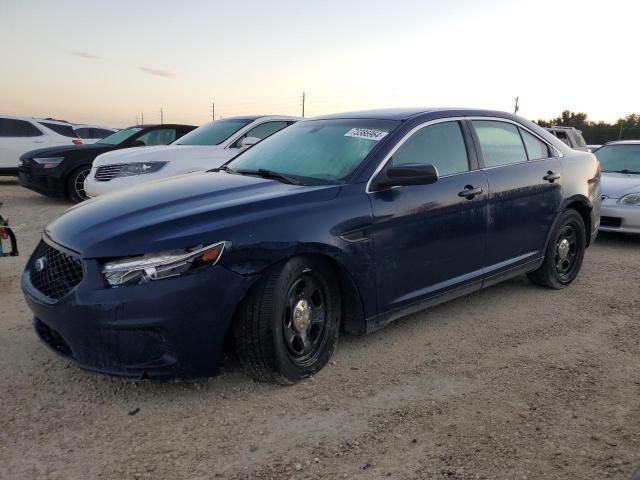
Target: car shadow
[[615, 239]]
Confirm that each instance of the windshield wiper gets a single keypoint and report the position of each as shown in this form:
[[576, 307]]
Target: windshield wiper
[[222, 168], [261, 172]]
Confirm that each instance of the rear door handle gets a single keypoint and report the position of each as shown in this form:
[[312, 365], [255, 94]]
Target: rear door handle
[[551, 176], [470, 191]]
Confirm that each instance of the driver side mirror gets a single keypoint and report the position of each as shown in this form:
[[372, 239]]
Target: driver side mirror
[[247, 142], [407, 174], [139, 143]]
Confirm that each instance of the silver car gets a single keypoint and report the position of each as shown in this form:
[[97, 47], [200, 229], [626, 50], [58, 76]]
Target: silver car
[[620, 163]]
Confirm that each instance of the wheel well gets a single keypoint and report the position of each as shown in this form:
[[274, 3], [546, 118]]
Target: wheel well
[[353, 321], [585, 213]]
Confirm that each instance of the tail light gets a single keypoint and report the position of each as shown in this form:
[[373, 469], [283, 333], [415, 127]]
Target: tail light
[[77, 141]]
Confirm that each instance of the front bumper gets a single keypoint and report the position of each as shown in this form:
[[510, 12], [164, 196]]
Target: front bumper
[[619, 218], [48, 185], [172, 328]]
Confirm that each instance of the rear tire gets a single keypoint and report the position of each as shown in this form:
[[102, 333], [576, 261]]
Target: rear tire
[[75, 184], [564, 254], [286, 329]]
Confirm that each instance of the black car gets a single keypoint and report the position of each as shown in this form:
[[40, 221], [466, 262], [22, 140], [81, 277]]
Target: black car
[[345, 222], [60, 171]]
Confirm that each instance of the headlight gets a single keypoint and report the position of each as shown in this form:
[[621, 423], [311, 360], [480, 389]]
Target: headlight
[[140, 168], [630, 199], [156, 266], [48, 162]]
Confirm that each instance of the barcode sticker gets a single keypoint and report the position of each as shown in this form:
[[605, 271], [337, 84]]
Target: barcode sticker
[[367, 134]]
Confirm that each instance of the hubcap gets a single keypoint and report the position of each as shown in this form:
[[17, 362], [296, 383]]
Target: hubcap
[[303, 321], [301, 316], [563, 248], [566, 251]]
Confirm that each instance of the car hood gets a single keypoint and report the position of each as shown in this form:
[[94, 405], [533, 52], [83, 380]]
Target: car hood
[[617, 185], [178, 212], [66, 149], [162, 153]]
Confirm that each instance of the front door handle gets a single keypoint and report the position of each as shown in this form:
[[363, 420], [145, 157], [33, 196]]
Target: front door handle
[[551, 176], [470, 191]]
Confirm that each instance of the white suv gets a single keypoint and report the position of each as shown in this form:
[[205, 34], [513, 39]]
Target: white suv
[[204, 148], [19, 135]]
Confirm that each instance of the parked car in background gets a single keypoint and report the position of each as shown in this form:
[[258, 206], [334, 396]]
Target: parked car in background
[[92, 133], [61, 171], [207, 147], [571, 136], [21, 134], [620, 163], [344, 222]]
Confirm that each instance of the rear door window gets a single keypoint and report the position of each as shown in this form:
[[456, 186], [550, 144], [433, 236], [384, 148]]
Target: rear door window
[[536, 149], [500, 143], [64, 130], [441, 145], [10, 127]]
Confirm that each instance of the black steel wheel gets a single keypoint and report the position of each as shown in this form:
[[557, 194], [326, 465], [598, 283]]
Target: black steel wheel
[[564, 254], [287, 327]]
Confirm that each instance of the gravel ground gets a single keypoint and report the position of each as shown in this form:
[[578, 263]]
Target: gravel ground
[[512, 382]]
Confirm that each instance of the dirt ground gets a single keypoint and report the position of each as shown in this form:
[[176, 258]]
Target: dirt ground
[[512, 382]]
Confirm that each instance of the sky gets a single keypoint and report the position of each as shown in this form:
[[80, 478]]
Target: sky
[[108, 63]]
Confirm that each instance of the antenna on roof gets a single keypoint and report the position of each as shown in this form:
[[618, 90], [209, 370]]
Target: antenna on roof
[[517, 107]]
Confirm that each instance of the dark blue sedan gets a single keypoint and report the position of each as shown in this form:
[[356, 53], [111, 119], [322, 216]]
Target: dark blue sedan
[[340, 223]]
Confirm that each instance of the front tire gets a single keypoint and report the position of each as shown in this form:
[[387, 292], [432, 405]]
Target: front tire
[[75, 184], [287, 327], [564, 254]]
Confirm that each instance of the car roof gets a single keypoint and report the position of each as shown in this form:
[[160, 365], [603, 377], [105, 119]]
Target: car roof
[[84, 125], [253, 118], [623, 142], [36, 119], [407, 113], [156, 125]]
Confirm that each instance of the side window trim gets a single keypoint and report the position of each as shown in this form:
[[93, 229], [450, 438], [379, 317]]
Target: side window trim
[[474, 152]]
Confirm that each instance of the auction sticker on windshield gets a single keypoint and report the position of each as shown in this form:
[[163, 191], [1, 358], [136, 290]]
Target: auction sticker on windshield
[[366, 133]]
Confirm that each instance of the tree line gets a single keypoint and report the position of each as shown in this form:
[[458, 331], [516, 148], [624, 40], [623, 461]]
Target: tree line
[[597, 133]]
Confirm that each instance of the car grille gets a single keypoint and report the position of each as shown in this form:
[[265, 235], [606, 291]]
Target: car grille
[[54, 273], [108, 172], [612, 222]]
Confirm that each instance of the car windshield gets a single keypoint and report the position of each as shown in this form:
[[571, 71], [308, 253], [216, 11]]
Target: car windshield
[[120, 136], [316, 151], [213, 133], [619, 158]]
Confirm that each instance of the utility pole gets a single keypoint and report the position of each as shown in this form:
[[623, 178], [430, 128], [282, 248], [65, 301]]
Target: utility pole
[[515, 110], [213, 110], [142, 121], [161, 116], [620, 134], [303, 99]]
